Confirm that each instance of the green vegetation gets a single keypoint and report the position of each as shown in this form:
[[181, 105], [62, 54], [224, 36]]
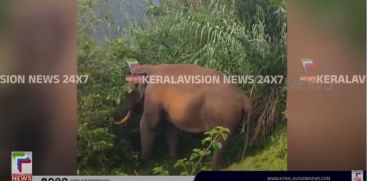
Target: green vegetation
[[268, 155], [200, 157], [232, 36]]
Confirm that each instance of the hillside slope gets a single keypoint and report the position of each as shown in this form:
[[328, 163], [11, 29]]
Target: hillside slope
[[270, 154]]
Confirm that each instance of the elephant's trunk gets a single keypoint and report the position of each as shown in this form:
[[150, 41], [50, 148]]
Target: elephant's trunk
[[124, 120]]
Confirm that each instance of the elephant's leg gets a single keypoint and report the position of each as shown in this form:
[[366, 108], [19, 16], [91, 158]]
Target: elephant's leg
[[172, 140], [148, 123], [218, 157]]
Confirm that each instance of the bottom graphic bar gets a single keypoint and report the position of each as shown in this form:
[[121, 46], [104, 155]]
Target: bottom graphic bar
[[112, 178], [357, 175]]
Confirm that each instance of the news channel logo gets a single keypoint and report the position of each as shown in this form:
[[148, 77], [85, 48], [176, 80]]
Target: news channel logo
[[307, 64], [357, 175], [21, 165]]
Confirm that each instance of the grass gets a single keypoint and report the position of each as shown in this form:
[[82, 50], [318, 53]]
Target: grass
[[265, 155], [270, 154]]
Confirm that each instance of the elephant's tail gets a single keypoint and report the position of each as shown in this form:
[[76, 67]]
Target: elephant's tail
[[247, 108]]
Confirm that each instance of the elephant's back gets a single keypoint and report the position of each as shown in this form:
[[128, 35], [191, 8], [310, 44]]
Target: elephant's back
[[200, 108], [182, 69], [197, 107]]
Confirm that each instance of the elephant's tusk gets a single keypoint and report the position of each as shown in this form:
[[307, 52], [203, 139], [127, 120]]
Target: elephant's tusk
[[124, 120]]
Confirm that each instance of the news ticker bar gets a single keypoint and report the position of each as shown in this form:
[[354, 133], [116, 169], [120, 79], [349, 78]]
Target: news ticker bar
[[113, 178], [356, 175]]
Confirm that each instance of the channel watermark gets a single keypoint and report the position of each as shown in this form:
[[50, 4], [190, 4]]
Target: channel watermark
[[205, 79], [334, 79]]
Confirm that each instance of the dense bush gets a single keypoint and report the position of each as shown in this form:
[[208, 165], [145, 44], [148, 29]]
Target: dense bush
[[232, 36]]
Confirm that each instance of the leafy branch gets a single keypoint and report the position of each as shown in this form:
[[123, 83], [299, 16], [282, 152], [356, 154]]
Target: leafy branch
[[211, 143]]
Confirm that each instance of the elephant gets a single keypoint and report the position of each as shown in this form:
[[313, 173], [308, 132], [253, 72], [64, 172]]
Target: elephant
[[192, 107]]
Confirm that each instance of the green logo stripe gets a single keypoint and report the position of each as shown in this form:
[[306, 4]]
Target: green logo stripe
[[18, 154]]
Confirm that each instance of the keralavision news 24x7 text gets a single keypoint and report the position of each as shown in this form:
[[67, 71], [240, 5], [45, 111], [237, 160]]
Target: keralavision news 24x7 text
[[43, 79]]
